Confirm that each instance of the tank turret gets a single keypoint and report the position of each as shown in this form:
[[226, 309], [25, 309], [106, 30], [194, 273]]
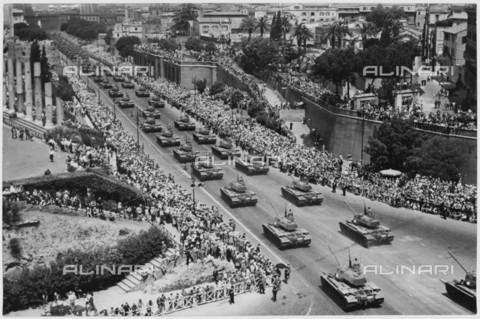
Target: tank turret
[[302, 185], [168, 132], [351, 275], [204, 131], [184, 118], [238, 186], [226, 143], [187, 147], [366, 229]]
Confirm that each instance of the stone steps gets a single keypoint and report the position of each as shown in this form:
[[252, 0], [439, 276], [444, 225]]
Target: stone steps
[[35, 130], [134, 279]]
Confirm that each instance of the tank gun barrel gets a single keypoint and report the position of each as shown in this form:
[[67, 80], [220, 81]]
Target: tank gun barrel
[[274, 209], [451, 254], [354, 212], [334, 256]]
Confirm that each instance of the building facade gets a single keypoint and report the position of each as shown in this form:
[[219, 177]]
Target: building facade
[[471, 56]]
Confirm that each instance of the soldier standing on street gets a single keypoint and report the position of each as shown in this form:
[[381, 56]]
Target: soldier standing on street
[[287, 273], [276, 288], [231, 293]]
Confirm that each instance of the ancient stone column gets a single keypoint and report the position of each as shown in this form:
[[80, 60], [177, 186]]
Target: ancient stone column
[[60, 107], [28, 84], [48, 105], [38, 93], [19, 78], [11, 77]]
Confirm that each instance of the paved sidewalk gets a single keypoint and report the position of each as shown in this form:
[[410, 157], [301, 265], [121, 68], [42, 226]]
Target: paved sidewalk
[[22, 159]]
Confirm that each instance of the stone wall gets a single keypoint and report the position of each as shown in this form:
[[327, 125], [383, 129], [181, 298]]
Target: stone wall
[[342, 134]]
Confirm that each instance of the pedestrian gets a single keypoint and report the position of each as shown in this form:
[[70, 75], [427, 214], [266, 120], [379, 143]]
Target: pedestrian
[[231, 293], [71, 299], [51, 153], [344, 189], [275, 290], [47, 172], [215, 276], [56, 298], [287, 273]]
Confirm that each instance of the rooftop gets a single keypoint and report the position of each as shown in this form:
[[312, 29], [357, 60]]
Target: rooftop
[[456, 28]]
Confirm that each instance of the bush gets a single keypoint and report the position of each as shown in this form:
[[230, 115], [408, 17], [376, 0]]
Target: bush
[[217, 87], [15, 248], [201, 85], [25, 289]]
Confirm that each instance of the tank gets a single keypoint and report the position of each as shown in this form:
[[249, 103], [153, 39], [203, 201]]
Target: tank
[[463, 291], [204, 170], [115, 92], [366, 230], [142, 92], [185, 153], [151, 125], [128, 85], [184, 123], [349, 288], [237, 195], [204, 136], [225, 149], [125, 102], [167, 139], [118, 78], [300, 193], [150, 111], [156, 102], [285, 233], [252, 165]]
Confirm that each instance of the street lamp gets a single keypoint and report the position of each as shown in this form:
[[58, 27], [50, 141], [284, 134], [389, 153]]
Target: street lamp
[[193, 185], [138, 133]]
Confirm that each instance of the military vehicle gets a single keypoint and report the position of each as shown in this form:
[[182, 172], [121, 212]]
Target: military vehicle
[[463, 291], [142, 92], [285, 233], [125, 102], [128, 85], [365, 229], [184, 123], [156, 102], [185, 153], [106, 85], [204, 169], [167, 139], [236, 194], [300, 193], [150, 111], [204, 136], [118, 78], [225, 149], [349, 288], [252, 165], [150, 125], [115, 92]]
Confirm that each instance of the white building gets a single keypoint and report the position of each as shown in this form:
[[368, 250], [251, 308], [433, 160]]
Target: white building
[[129, 28]]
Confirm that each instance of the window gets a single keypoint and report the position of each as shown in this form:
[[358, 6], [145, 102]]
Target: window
[[312, 14], [304, 13], [328, 14], [312, 20], [296, 7], [205, 29], [135, 29], [447, 36], [464, 40], [224, 27], [304, 20], [215, 28], [437, 17], [364, 8], [322, 14]]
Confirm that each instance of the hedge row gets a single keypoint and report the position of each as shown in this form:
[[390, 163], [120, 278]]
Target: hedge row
[[24, 289]]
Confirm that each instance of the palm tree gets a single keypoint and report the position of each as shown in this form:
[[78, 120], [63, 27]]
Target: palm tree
[[249, 25], [286, 27], [181, 20], [262, 25], [297, 33], [336, 31], [367, 30], [306, 35]]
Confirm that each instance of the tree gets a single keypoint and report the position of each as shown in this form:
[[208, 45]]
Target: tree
[[201, 85], [249, 25], [193, 44], [63, 89], [336, 31], [306, 34], [258, 54], [276, 28], [337, 65], [27, 33], [108, 37], [125, 45], [367, 30], [236, 98], [437, 157], [210, 47], [392, 144], [217, 87], [386, 20], [181, 21], [45, 67]]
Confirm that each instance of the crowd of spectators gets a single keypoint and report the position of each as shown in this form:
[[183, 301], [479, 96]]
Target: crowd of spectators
[[318, 166]]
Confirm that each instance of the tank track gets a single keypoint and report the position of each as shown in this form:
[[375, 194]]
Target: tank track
[[356, 236]]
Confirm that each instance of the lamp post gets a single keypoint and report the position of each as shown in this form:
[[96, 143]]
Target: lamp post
[[138, 133], [193, 185]]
